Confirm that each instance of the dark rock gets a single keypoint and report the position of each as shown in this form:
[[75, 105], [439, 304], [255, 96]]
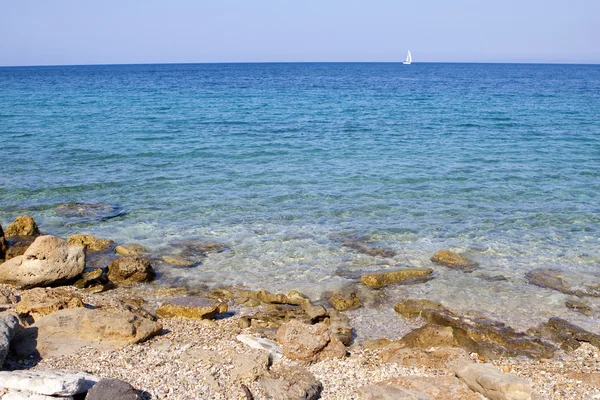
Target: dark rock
[[8, 324], [129, 269], [3, 244], [574, 283], [17, 246], [580, 307], [566, 334], [112, 389]]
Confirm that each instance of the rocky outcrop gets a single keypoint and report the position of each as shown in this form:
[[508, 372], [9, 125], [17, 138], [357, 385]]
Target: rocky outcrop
[[46, 382], [24, 225], [112, 389], [450, 259], [191, 307], [290, 383], [66, 331], [90, 242], [49, 260], [567, 335], [406, 275], [309, 343], [8, 324], [488, 338], [129, 270], [578, 284], [38, 302], [130, 249], [493, 384]]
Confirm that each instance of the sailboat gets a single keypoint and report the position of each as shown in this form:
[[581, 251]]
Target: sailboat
[[408, 58]]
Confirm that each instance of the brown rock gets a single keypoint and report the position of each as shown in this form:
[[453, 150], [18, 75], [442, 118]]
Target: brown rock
[[493, 384], [49, 260], [290, 383], [129, 269], [566, 334], [341, 303], [179, 261], [578, 284], [8, 297], [430, 335], [580, 307], [453, 260], [309, 343], [414, 308], [191, 307], [277, 315], [436, 387], [24, 225], [268, 297], [440, 358], [339, 325], [589, 378], [389, 392], [250, 365], [314, 312], [66, 331], [90, 242], [38, 302], [130, 249], [407, 275]]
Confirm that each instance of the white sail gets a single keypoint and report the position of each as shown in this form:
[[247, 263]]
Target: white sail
[[408, 58]]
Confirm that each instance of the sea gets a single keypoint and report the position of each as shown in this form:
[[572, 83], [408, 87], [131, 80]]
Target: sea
[[287, 163]]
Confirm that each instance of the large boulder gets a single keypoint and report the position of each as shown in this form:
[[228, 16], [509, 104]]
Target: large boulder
[[130, 269], [90, 242], [493, 384], [66, 331], [24, 225], [309, 343], [8, 324], [112, 389], [49, 260]]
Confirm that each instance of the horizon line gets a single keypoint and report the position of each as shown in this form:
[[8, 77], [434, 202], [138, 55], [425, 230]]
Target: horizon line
[[300, 62]]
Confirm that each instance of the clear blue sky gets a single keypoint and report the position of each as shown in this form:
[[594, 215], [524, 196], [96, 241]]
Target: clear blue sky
[[48, 32]]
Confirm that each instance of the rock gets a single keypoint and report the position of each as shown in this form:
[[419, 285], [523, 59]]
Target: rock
[[450, 259], [578, 284], [339, 325], [388, 392], [47, 382], [66, 331], [290, 383], [250, 366], [439, 358], [8, 296], [493, 384], [580, 307], [566, 334], [179, 261], [314, 312], [112, 389], [430, 335], [8, 324], [49, 260], [407, 275], [191, 307], [276, 315], [130, 269], [43, 301], [197, 247], [88, 211], [413, 308], [268, 297], [31, 396], [90, 242], [130, 249], [275, 351], [309, 343], [446, 387], [371, 251], [488, 338], [344, 304], [24, 225], [3, 244], [17, 246]]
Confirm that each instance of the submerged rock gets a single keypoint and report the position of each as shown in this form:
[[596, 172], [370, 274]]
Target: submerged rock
[[450, 259], [49, 260], [90, 242], [580, 307], [179, 261], [408, 275], [574, 283], [94, 211], [24, 225], [66, 331], [493, 384], [413, 308], [566, 334], [371, 251], [130, 269], [130, 249]]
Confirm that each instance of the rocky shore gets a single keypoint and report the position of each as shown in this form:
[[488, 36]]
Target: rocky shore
[[84, 317]]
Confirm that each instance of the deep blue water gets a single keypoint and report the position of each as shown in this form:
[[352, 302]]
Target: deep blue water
[[501, 161]]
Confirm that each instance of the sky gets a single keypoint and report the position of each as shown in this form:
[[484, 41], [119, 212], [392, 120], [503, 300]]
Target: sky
[[59, 32]]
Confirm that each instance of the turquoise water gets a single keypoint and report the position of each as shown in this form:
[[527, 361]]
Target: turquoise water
[[498, 161]]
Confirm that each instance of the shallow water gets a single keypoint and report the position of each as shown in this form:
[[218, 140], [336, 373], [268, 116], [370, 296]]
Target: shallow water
[[500, 162]]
